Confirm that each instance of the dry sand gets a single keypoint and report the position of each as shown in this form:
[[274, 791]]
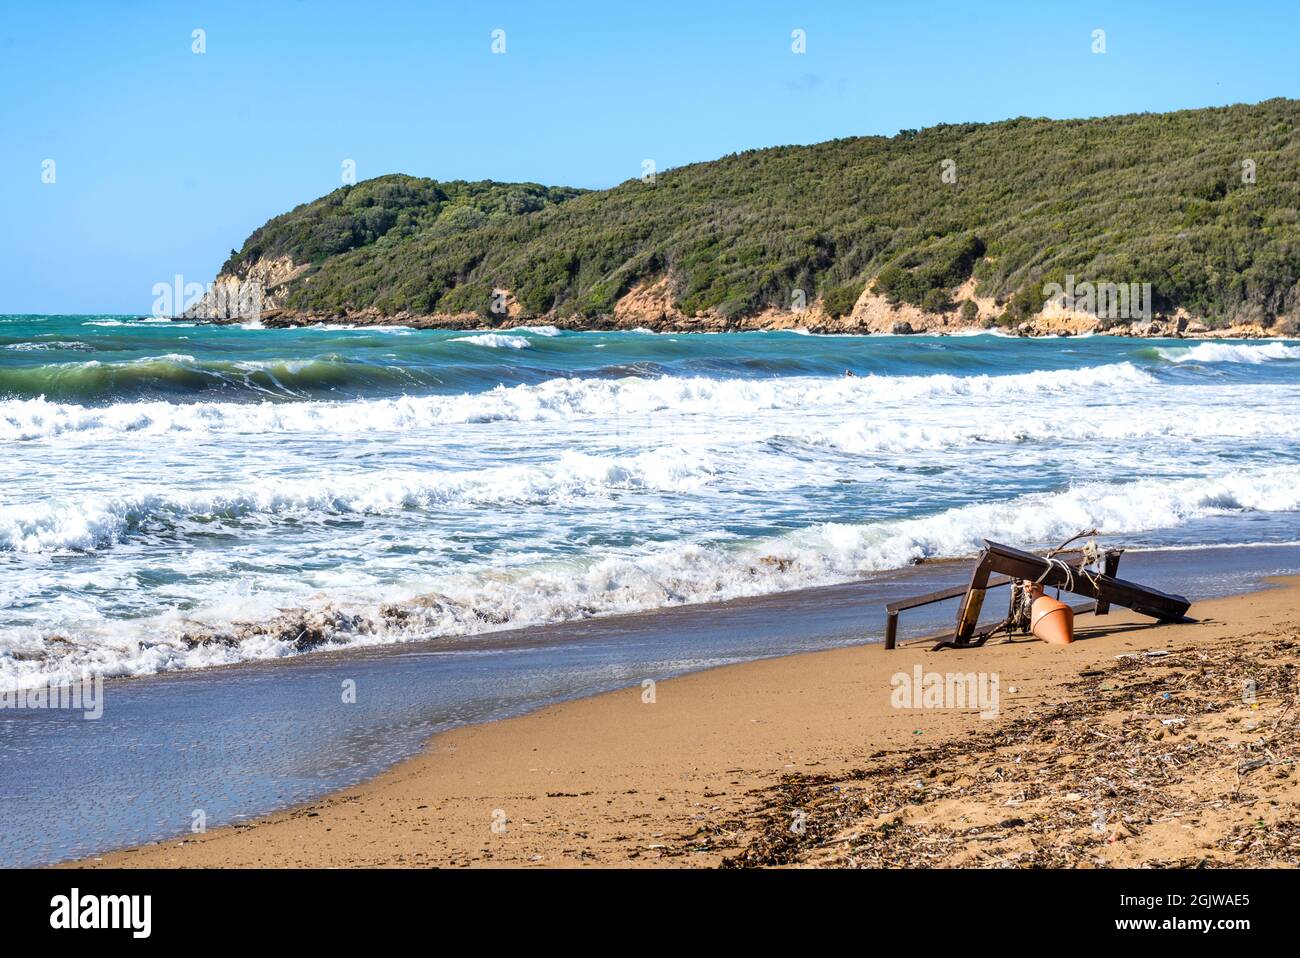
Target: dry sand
[[1092, 760]]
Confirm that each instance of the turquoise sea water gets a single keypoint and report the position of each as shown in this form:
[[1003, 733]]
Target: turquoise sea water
[[163, 483]]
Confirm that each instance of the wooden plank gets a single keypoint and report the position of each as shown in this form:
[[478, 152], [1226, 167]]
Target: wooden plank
[[1109, 565], [1104, 588], [969, 613], [915, 602], [1025, 565], [932, 597]]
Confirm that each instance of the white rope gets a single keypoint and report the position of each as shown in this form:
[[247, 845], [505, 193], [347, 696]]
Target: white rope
[[1069, 573], [1091, 555]]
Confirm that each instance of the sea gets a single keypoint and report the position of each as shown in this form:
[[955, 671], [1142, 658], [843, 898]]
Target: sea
[[164, 480], [486, 521]]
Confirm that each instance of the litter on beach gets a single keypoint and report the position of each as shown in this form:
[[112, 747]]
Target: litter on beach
[[1089, 572]]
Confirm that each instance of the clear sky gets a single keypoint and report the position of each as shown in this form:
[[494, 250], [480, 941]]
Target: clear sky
[[165, 158]]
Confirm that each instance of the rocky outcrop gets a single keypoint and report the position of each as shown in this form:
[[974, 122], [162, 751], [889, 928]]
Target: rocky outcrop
[[248, 294], [650, 305]]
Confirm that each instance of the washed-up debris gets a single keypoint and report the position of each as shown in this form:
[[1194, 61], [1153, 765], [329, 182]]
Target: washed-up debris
[[1088, 777], [1089, 572]]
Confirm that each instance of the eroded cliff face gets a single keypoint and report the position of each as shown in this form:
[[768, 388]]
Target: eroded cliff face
[[650, 306], [258, 292], [249, 293]]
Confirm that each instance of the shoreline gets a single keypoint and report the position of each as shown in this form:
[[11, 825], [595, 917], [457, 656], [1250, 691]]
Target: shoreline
[[699, 775], [816, 325], [930, 574]]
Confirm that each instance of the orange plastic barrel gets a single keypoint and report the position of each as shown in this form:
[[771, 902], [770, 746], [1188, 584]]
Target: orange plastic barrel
[[1052, 621]]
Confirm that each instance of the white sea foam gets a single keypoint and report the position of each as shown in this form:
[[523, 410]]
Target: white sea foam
[[753, 455], [472, 602], [1229, 353], [48, 344], [128, 529], [494, 341], [975, 331], [353, 328], [97, 522], [553, 400], [1114, 424]]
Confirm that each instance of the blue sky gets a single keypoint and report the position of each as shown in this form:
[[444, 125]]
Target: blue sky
[[165, 159]]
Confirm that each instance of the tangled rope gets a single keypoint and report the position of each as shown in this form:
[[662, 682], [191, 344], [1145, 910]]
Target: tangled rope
[[1091, 556], [1052, 561]]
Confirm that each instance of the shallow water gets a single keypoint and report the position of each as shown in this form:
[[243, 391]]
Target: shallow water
[[166, 479]]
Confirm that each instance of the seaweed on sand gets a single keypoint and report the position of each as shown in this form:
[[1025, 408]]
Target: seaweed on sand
[[1182, 759]]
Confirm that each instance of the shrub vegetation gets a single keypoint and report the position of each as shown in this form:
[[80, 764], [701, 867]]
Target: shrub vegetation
[[1157, 198]]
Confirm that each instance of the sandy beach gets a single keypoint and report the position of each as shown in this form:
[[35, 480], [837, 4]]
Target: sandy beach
[[1137, 745]]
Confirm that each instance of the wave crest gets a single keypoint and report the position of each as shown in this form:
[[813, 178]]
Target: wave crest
[[494, 341], [99, 523], [555, 399], [478, 601], [1228, 353]]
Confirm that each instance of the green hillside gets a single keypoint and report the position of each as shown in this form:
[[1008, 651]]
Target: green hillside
[[1156, 198]]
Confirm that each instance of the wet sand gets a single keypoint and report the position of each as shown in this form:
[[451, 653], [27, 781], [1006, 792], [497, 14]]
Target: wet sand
[[804, 759]]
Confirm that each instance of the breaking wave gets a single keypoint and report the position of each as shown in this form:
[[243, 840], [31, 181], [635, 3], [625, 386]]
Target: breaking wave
[[555, 399], [473, 602], [182, 376], [1228, 353], [865, 436], [99, 523], [494, 341]]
